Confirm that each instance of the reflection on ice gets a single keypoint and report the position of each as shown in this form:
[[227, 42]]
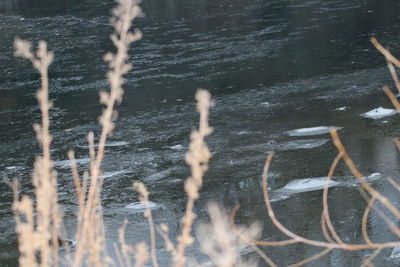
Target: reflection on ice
[[312, 130], [138, 206], [378, 113]]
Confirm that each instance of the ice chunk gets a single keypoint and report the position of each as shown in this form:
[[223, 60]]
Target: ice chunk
[[378, 113], [138, 206], [307, 184], [312, 130]]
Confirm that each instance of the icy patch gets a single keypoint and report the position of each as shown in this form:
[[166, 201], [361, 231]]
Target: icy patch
[[138, 206], [302, 144], [306, 185], [111, 174], [378, 113], [395, 253], [312, 130], [65, 164]]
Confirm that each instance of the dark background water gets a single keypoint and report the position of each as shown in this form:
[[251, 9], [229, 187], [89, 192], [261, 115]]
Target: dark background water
[[271, 66]]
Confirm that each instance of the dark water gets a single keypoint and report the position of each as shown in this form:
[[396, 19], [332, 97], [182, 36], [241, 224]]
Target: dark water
[[272, 66]]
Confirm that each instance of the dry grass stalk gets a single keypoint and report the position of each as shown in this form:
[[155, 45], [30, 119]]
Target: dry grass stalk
[[197, 158], [90, 235], [144, 199], [45, 226]]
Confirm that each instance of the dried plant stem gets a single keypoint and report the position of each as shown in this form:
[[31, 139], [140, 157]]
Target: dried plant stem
[[325, 212], [299, 239], [197, 158], [46, 227], [353, 169], [144, 199], [123, 14], [312, 258], [368, 261], [392, 98], [389, 57]]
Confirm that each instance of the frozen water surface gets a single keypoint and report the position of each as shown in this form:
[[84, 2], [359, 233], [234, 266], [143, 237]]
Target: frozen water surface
[[312, 130], [378, 113]]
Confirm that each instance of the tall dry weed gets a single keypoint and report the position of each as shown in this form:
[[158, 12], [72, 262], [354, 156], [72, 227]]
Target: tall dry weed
[[38, 221]]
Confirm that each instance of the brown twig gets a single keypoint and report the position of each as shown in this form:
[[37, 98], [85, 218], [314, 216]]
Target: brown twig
[[389, 57]]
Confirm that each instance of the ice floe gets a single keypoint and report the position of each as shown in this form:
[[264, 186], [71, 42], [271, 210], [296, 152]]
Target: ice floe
[[312, 130], [305, 185], [138, 206], [318, 183], [378, 113]]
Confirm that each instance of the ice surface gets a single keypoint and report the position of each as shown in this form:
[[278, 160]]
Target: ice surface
[[378, 113], [312, 130], [138, 206]]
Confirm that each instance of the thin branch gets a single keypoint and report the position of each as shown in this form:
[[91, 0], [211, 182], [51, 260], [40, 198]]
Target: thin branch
[[312, 258], [389, 57]]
